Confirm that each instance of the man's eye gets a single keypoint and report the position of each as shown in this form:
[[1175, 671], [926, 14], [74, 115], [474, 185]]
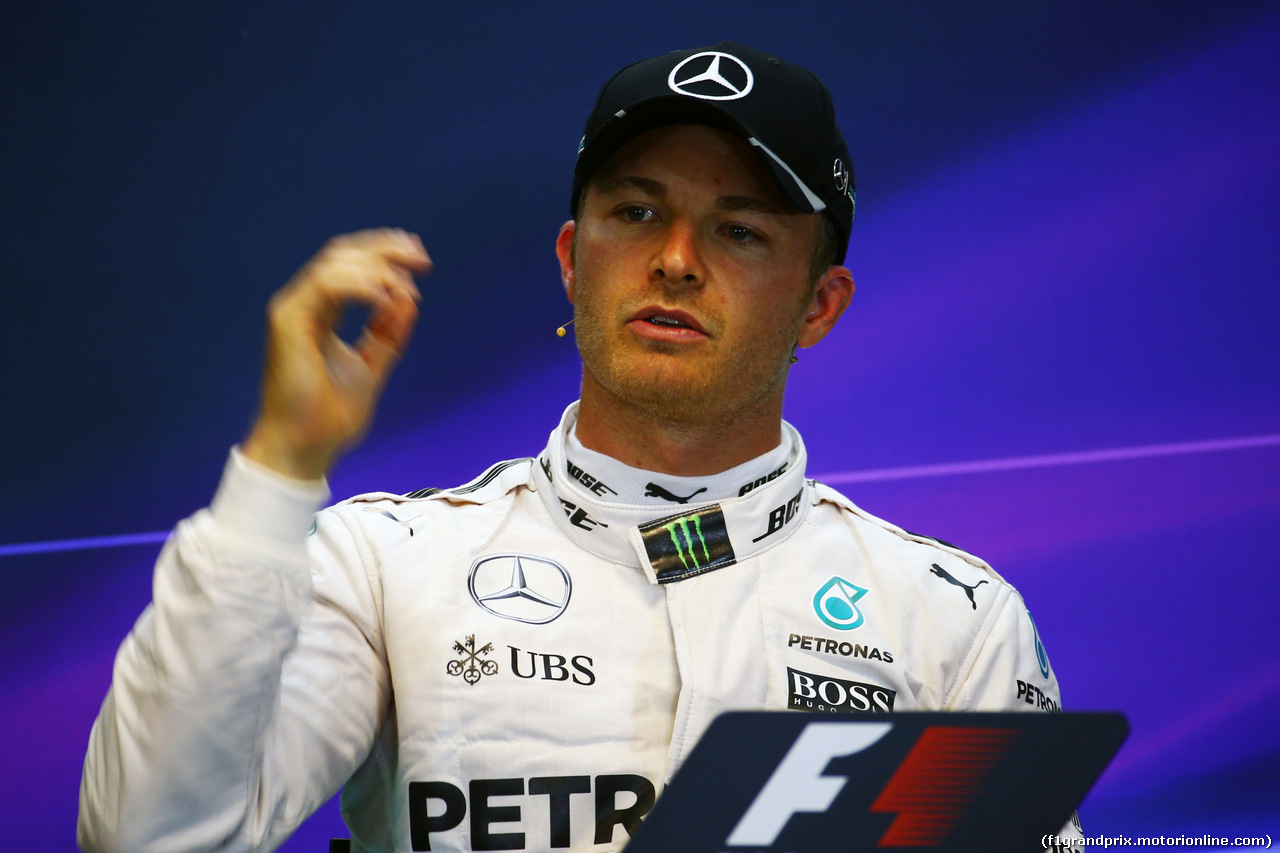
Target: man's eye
[[636, 213], [741, 234]]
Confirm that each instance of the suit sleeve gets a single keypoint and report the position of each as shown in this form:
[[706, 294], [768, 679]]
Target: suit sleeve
[[250, 688], [1010, 671], [1008, 668]]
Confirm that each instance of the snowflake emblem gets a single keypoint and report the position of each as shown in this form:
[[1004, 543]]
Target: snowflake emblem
[[469, 666]]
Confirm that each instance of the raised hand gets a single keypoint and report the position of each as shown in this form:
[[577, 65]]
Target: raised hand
[[318, 392]]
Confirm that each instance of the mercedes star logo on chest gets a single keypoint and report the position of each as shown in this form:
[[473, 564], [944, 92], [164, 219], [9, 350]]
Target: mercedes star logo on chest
[[520, 587]]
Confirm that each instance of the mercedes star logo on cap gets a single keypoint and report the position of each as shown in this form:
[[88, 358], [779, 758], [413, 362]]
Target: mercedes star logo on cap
[[712, 76], [520, 587], [841, 175]]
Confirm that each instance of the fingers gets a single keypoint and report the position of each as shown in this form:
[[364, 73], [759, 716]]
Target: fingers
[[396, 246], [386, 335], [363, 267], [318, 393]]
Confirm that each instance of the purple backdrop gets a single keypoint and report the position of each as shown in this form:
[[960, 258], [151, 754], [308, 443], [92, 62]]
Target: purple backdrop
[[1061, 355]]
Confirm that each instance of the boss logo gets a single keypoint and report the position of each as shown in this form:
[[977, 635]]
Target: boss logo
[[826, 695]]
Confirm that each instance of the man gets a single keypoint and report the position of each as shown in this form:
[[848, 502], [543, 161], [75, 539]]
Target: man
[[520, 662]]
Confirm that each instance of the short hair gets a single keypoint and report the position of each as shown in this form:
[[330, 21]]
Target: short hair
[[825, 246]]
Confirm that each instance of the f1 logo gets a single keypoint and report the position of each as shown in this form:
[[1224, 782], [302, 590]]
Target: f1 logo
[[798, 783], [935, 783]]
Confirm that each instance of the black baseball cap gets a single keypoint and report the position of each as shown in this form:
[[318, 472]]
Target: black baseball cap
[[782, 110]]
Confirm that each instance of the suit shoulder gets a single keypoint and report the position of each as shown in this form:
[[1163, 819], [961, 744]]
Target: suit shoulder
[[496, 482], [382, 517], [896, 537]]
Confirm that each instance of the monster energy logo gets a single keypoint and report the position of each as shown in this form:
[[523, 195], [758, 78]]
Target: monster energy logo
[[682, 525], [679, 546]]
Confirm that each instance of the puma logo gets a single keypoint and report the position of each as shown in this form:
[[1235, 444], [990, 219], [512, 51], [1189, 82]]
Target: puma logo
[[653, 490], [968, 590]]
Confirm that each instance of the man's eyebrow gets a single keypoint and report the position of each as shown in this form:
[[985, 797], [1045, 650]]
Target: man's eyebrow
[[657, 189], [735, 203], [727, 203]]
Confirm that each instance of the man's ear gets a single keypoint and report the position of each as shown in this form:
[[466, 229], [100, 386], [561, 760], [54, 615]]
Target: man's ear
[[830, 298], [564, 251]]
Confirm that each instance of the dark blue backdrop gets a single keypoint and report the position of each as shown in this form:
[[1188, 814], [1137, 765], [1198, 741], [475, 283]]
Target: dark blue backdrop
[[1061, 354]]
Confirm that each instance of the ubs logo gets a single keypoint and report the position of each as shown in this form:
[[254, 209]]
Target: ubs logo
[[712, 76], [519, 587], [471, 665]]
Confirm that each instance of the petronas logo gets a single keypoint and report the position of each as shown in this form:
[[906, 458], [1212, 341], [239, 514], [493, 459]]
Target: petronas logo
[[836, 603], [1042, 657], [680, 546]]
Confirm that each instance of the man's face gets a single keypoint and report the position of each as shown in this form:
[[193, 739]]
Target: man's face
[[689, 273]]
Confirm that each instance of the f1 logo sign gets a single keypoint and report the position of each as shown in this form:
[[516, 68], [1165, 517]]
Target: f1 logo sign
[[798, 784], [930, 791], [950, 782]]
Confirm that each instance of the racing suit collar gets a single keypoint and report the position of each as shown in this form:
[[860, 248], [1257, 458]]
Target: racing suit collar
[[674, 542], [616, 482]]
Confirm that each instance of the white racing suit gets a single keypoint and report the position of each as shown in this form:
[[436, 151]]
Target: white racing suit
[[516, 663]]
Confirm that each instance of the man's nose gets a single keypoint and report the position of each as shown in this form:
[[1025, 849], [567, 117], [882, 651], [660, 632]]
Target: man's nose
[[677, 259]]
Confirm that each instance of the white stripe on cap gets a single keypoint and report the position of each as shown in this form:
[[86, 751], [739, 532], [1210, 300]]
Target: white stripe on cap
[[816, 203]]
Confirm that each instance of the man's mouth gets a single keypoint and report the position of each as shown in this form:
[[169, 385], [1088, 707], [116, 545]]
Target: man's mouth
[[668, 318]]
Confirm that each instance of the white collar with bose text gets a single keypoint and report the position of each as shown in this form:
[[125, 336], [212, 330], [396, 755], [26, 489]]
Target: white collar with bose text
[[676, 541]]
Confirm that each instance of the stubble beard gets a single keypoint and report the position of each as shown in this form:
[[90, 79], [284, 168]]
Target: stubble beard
[[666, 383]]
